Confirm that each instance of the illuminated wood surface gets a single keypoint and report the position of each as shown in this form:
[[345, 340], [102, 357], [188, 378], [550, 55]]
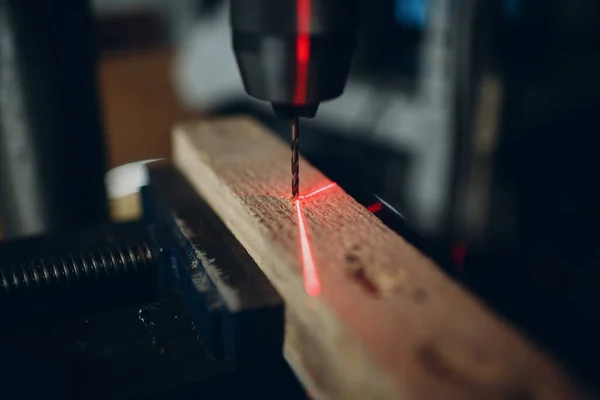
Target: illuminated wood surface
[[386, 322]]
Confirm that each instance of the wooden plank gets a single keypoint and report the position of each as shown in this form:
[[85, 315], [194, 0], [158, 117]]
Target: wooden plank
[[386, 323]]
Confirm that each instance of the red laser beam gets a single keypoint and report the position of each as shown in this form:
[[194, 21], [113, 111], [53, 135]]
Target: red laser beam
[[375, 207], [459, 253], [312, 285], [318, 191], [302, 50]]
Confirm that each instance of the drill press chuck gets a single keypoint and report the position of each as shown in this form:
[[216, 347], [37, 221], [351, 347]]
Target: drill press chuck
[[294, 53]]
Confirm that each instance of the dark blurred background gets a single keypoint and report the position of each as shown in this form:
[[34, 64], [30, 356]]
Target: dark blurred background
[[476, 120]]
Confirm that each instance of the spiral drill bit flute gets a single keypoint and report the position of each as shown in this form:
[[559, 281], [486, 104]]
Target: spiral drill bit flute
[[295, 158]]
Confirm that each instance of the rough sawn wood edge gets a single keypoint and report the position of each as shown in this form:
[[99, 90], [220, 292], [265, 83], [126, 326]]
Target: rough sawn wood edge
[[327, 356]]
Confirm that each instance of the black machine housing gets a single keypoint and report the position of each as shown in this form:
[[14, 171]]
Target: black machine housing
[[265, 42]]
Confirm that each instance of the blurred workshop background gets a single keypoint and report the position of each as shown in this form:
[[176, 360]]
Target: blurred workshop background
[[164, 60], [443, 115], [161, 61], [431, 119], [476, 120]]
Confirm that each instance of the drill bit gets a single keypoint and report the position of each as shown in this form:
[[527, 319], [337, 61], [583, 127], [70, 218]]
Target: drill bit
[[295, 159]]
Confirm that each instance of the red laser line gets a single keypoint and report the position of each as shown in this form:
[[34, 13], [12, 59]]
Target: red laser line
[[318, 191], [312, 285], [459, 253], [375, 207], [302, 50]]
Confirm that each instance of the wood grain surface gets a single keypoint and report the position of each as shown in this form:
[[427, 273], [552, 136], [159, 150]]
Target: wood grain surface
[[387, 322]]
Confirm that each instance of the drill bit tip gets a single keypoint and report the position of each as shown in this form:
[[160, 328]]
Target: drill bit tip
[[295, 158]]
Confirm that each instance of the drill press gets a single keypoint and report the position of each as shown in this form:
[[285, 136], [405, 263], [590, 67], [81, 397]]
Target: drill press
[[294, 54]]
